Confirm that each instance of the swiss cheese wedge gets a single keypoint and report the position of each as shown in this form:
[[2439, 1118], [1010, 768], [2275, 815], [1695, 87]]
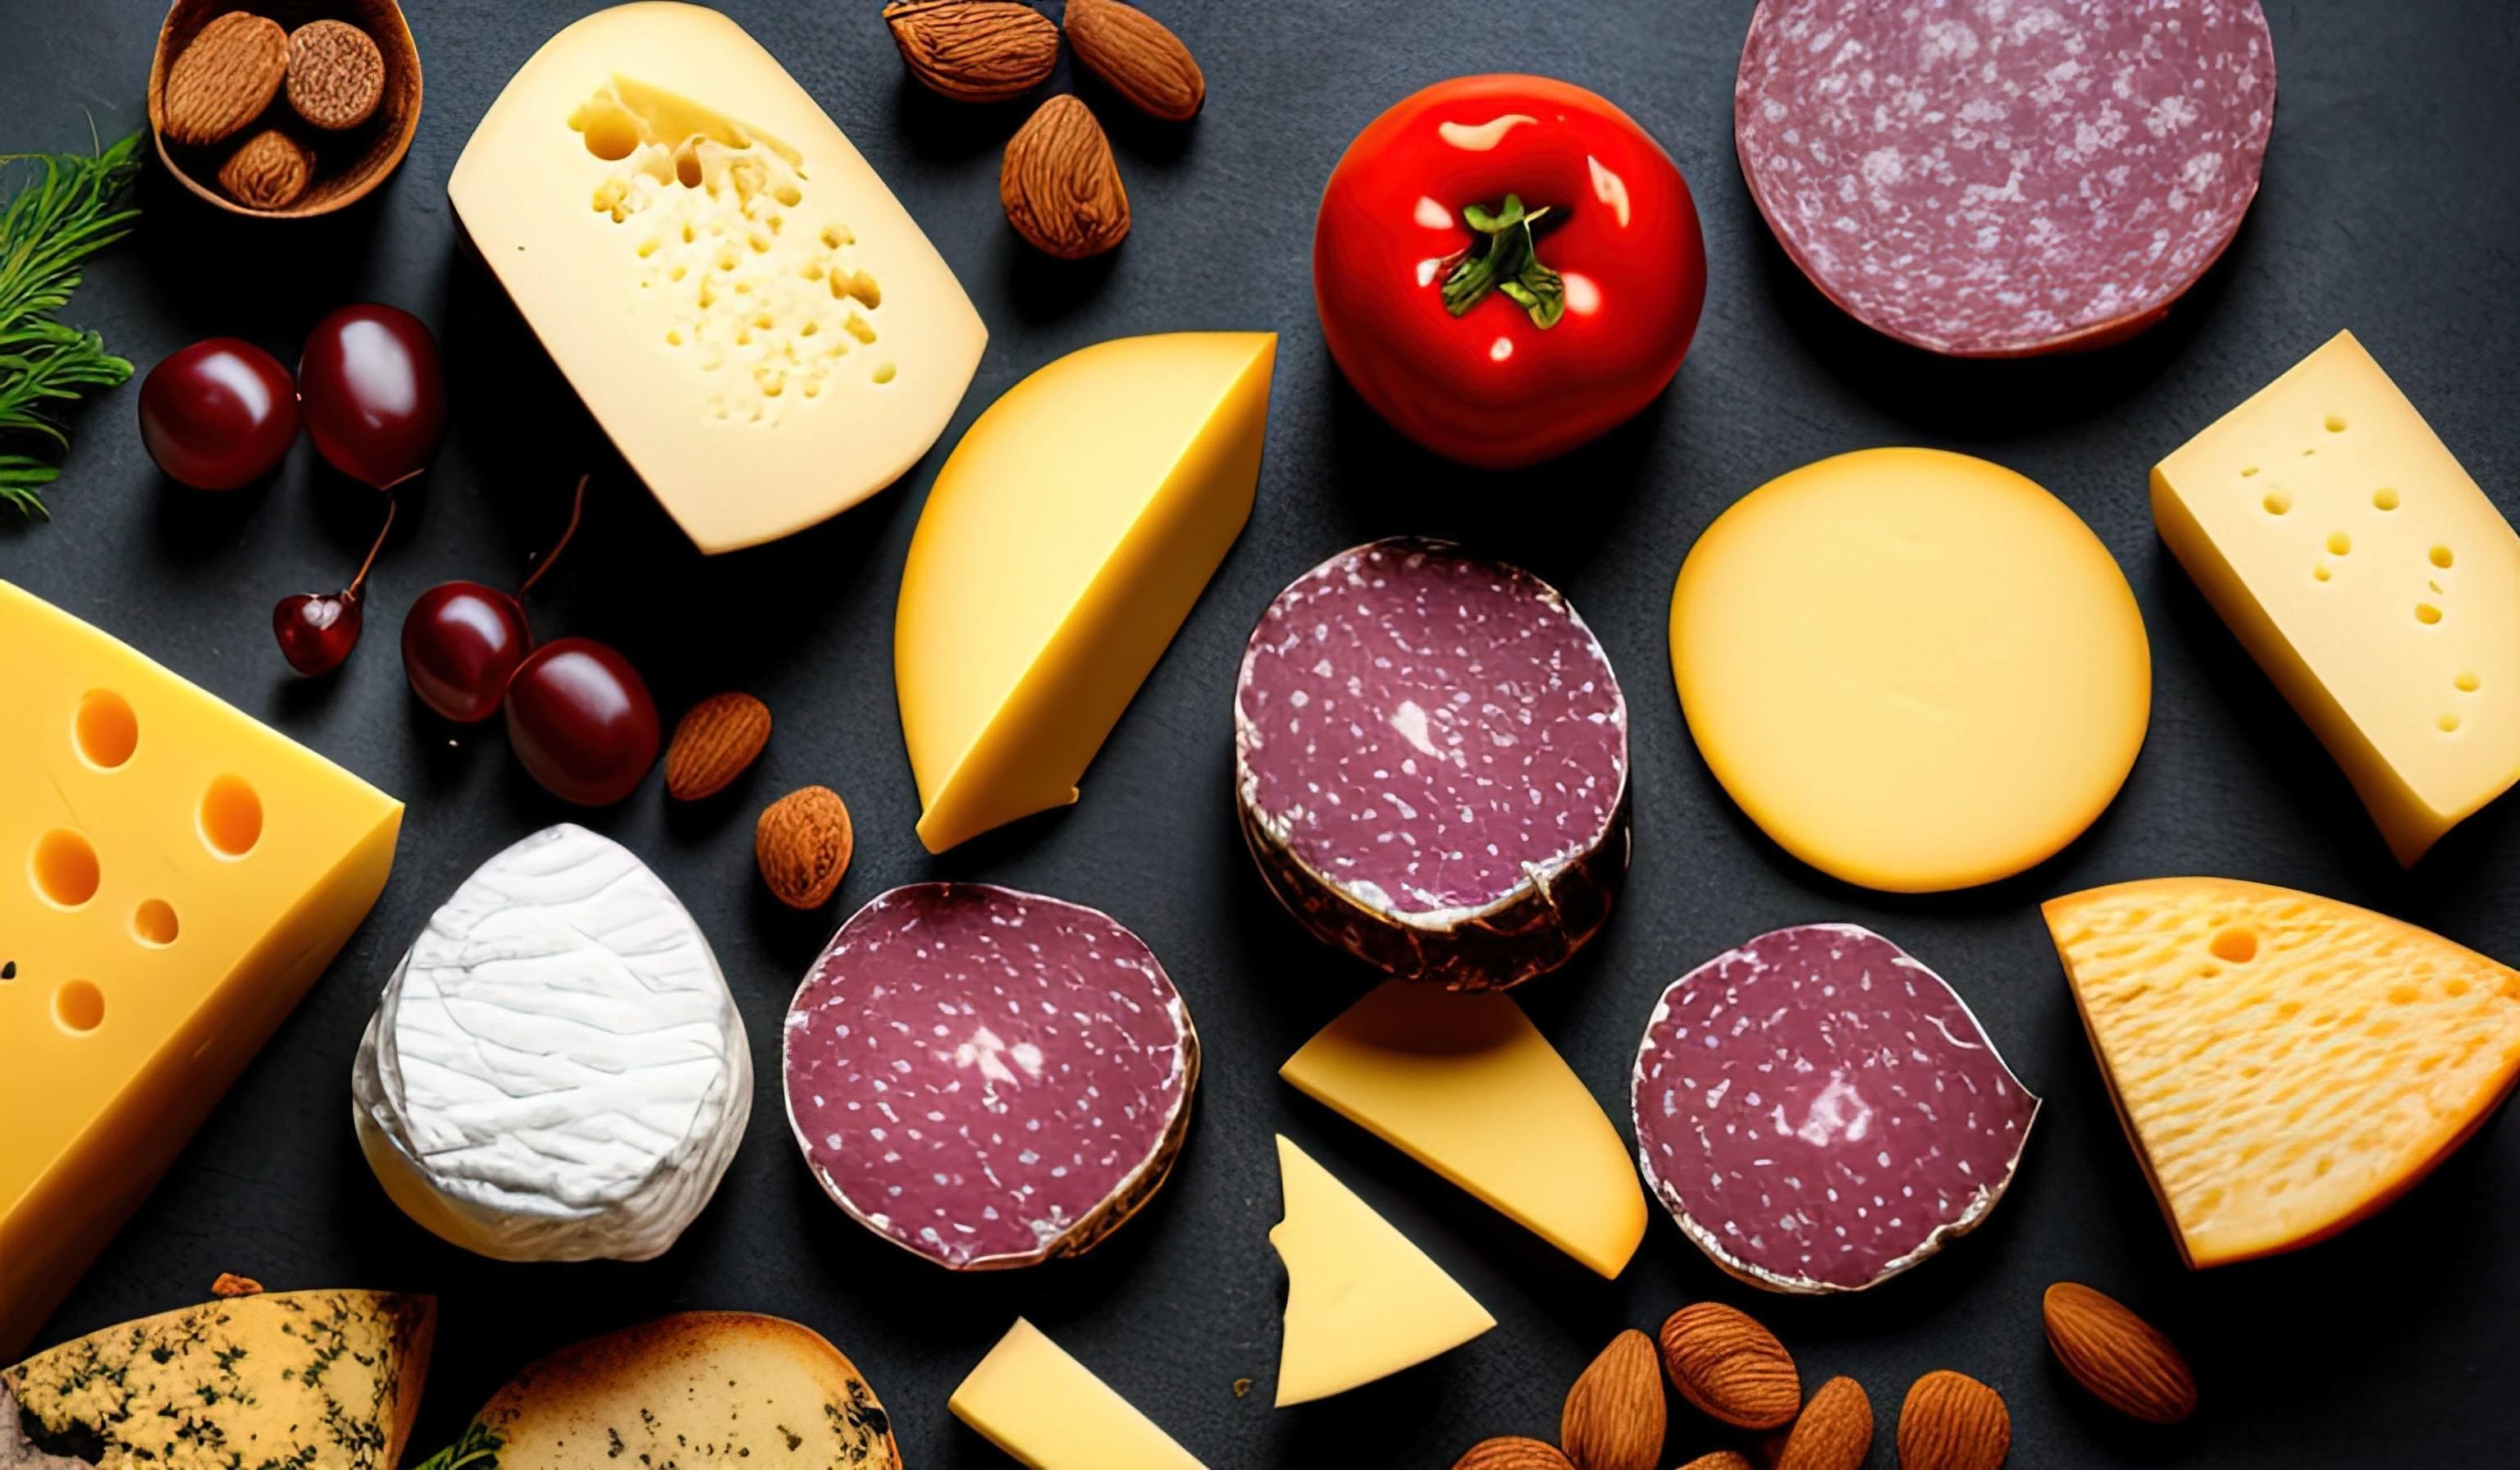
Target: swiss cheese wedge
[[2286, 1064], [1047, 1409]]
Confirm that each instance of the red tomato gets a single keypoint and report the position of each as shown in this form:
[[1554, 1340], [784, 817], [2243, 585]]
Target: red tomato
[[1507, 267]]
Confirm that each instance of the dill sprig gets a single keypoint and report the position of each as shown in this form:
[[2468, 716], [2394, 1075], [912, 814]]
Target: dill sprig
[[75, 206]]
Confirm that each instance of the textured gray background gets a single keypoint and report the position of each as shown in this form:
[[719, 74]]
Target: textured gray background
[[2390, 206]]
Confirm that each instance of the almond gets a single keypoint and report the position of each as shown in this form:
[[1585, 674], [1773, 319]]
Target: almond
[[1834, 1432], [1613, 1418], [230, 1284], [721, 737], [974, 50], [268, 170], [802, 844], [224, 77], [1951, 1421], [1732, 1369], [1511, 1451], [1721, 1460], [1138, 55], [1059, 186], [336, 76], [2121, 1358]]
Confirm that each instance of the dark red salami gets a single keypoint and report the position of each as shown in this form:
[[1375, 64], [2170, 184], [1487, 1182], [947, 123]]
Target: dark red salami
[[1431, 763], [1820, 1112], [988, 1078], [1990, 178]]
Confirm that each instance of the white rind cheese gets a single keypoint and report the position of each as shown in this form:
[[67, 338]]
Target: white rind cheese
[[557, 1070]]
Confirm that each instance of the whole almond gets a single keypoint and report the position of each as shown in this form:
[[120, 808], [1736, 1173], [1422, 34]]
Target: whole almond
[[224, 77], [1059, 186], [1511, 1451], [974, 50], [1834, 1432], [1721, 1460], [268, 170], [1139, 56], [714, 743], [1729, 1367], [336, 76], [1951, 1421], [802, 844], [1613, 1419], [2122, 1360]]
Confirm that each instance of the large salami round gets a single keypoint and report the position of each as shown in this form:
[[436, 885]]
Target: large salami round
[[1990, 178], [1819, 1111], [988, 1078], [1431, 763]]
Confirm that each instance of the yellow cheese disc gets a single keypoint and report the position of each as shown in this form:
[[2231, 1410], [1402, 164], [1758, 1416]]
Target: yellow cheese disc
[[1917, 671]]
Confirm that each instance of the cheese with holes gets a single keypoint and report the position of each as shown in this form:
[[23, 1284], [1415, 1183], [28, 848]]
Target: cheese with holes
[[2371, 579], [1466, 1086], [1062, 547], [747, 311], [1034, 1402], [173, 877], [1362, 1301], [2286, 1064]]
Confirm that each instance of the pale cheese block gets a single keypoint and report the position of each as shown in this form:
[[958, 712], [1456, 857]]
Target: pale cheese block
[[1031, 1399]]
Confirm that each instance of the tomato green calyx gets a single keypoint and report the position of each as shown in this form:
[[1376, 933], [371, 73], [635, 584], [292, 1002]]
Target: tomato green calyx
[[1503, 260]]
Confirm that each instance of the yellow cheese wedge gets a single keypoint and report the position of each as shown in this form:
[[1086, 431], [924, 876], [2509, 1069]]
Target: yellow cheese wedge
[[1047, 1409], [1466, 1086], [2370, 578], [1362, 1302], [1914, 669], [173, 877], [1063, 545], [2286, 1064], [746, 310]]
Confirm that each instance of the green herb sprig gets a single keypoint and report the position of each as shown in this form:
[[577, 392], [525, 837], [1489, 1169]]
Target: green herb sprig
[[75, 206]]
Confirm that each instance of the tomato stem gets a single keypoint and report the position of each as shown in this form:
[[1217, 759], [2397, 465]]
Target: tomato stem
[[1503, 260]]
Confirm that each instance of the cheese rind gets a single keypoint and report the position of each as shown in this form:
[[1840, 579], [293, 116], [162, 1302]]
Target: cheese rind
[[173, 877], [1466, 1086], [1362, 1301], [2369, 577], [1062, 547], [2284, 1064], [1033, 1400]]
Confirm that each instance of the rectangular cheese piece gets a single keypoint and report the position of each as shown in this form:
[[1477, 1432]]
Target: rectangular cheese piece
[[747, 311], [1047, 1409], [173, 877], [1466, 1086], [2371, 579]]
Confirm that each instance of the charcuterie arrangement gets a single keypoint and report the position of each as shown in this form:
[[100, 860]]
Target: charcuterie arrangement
[[1914, 671]]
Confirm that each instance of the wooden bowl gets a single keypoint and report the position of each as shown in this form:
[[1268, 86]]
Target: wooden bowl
[[347, 164]]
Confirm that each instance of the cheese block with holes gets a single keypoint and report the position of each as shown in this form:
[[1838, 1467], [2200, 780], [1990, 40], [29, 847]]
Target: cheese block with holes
[[2286, 1064], [2370, 578], [173, 877], [747, 311]]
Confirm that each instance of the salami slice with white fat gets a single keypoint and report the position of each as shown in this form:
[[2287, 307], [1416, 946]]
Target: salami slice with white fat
[[1431, 763], [988, 1078], [1820, 1112], [1992, 178]]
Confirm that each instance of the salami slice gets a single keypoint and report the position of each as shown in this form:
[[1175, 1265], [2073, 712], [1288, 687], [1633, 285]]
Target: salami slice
[[1820, 1112], [1431, 763], [1990, 178], [988, 1078]]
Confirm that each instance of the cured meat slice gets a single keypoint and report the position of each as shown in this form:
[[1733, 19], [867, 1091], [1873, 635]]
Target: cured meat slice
[[1990, 179], [988, 1078], [1819, 1111], [1431, 763]]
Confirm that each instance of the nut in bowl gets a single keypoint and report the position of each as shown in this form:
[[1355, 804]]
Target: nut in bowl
[[328, 88]]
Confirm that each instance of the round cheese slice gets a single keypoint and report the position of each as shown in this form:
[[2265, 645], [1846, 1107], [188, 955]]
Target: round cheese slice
[[556, 1070], [1914, 669]]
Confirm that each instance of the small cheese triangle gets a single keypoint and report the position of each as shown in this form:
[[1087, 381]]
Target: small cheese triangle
[[1466, 1086], [1362, 1302], [1037, 1403], [2286, 1064]]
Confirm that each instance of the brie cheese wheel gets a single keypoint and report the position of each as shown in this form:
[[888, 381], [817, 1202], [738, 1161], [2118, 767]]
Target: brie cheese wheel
[[557, 1070]]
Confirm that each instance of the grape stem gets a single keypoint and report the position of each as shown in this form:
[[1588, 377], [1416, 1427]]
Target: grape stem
[[576, 509], [374, 547]]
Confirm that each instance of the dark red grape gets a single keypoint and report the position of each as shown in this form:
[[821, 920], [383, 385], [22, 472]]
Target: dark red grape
[[374, 396], [580, 720], [317, 630], [219, 414], [460, 643]]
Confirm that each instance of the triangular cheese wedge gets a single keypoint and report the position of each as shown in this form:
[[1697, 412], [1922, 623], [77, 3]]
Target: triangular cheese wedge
[[1362, 1302], [1062, 547], [1034, 1402], [1466, 1086], [2286, 1064]]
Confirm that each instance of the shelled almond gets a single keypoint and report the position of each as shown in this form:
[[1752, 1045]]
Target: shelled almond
[[1060, 188], [1613, 1419], [1834, 1431], [1729, 1367], [974, 50], [1951, 1421], [1138, 57], [2123, 1360], [225, 78], [1511, 1451]]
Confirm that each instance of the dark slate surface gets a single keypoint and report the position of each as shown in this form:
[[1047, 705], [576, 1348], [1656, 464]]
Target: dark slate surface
[[2390, 206]]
